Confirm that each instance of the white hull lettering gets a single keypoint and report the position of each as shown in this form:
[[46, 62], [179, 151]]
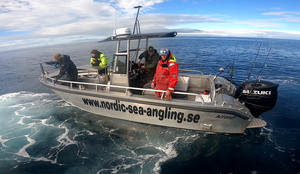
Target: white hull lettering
[[257, 92]]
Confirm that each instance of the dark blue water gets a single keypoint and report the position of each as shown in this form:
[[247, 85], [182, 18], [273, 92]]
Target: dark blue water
[[40, 133]]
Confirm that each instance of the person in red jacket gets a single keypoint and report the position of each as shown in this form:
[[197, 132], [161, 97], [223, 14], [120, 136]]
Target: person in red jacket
[[166, 74]]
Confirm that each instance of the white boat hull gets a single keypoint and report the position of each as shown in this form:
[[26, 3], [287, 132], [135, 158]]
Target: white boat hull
[[158, 112]]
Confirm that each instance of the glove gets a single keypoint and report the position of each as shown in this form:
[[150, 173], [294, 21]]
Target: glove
[[171, 91]]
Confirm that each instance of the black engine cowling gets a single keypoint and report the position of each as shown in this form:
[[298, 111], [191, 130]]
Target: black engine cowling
[[258, 97]]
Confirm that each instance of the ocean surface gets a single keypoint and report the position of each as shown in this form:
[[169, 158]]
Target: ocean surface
[[40, 133]]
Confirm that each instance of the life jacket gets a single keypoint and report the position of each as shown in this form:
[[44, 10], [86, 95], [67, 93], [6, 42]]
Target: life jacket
[[101, 60], [166, 74]]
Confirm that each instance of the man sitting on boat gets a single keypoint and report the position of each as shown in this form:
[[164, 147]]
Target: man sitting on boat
[[99, 60], [166, 75], [151, 59], [66, 66]]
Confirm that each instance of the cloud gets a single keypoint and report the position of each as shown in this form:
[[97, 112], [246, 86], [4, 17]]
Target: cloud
[[149, 21], [242, 33], [275, 8], [30, 23], [28, 15], [282, 13], [259, 23], [53, 20], [287, 16], [61, 21]]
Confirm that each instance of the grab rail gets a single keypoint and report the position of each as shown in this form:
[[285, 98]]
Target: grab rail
[[121, 87]]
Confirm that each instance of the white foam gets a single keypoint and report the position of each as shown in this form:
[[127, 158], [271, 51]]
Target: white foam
[[8, 96], [43, 122], [2, 141], [170, 152], [63, 139], [22, 151], [23, 94], [45, 159]]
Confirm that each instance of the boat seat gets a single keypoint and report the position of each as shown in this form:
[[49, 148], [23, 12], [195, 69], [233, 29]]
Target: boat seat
[[181, 86]]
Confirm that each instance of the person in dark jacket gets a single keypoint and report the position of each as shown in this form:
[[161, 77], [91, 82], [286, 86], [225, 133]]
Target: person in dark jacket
[[151, 59], [66, 66]]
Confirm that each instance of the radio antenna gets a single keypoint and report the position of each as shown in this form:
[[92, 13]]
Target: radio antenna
[[137, 23], [115, 19]]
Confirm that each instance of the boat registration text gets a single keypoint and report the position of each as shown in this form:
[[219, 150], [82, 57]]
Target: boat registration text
[[161, 114]]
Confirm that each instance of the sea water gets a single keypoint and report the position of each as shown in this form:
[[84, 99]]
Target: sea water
[[41, 133]]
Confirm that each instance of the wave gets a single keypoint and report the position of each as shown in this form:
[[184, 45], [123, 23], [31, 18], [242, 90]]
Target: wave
[[42, 127]]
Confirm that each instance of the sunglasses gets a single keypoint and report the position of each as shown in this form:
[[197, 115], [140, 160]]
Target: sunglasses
[[164, 52]]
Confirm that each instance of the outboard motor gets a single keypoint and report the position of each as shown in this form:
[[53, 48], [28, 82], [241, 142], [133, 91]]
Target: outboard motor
[[258, 97]]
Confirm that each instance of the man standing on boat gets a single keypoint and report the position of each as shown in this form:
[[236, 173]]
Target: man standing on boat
[[151, 59], [66, 66], [166, 75], [99, 59]]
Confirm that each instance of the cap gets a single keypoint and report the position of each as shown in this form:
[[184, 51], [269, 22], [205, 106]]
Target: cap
[[164, 51], [151, 49], [57, 55]]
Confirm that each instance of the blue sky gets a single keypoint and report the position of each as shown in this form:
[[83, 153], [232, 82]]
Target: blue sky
[[29, 23]]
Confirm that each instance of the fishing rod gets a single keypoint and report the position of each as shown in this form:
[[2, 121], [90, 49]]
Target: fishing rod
[[253, 63], [223, 69], [231, 74], [257, 76], [251, 69], [264, 65], [252, 86]]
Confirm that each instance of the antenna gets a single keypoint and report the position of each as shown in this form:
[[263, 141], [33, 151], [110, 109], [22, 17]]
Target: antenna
[[115, 33], [137, 23]]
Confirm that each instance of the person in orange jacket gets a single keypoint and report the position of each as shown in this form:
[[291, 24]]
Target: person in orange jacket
[[166, 75]]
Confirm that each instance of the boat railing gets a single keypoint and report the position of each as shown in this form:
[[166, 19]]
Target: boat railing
[[191, 71], [212, 87], [127, 92], [225, 84], [224, 103], [108, 86]]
